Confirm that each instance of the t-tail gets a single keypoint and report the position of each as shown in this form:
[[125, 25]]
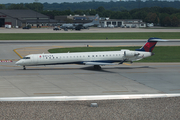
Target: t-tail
[[96, 20], [150, 44]]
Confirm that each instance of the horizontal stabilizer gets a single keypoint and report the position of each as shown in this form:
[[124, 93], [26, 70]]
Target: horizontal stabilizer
[[158, 40]]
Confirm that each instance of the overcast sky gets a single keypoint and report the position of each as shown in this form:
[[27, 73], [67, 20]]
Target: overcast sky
[[43, 1]]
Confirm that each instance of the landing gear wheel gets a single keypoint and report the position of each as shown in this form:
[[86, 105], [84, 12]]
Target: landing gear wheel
[[97, 67], [24, 68]]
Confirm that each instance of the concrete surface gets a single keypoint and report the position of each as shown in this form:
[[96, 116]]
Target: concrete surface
[[91, 30], [67, 80]]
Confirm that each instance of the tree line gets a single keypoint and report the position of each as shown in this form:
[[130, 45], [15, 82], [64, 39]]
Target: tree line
[[156, 15], [164, 16], [113, 6]]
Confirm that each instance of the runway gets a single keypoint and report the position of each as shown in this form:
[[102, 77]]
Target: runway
[[135, 42]]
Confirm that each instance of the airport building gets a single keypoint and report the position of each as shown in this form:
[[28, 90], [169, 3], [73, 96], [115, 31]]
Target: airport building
[[22, 18], [127, 23]]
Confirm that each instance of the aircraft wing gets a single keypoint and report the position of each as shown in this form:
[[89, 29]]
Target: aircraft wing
[[97, 63]]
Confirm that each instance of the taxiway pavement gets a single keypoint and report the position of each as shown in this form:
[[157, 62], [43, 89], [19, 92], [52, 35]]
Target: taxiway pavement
[[76, 80]]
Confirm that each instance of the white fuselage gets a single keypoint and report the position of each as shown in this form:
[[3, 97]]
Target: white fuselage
[[86, 58]]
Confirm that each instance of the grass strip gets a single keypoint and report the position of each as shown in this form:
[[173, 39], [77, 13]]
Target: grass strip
[[162, 53], [87, 36]]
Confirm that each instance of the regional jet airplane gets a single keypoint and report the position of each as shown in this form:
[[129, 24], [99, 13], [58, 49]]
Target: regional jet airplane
[[97, 59]]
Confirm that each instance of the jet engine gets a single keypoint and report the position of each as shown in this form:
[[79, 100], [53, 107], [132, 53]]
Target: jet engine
[[128, 53]]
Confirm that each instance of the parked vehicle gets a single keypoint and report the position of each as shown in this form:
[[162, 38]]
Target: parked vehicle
[[26, 27], [56, 28]]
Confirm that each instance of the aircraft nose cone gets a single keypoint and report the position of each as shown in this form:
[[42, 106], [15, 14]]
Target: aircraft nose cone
[[18, 62]]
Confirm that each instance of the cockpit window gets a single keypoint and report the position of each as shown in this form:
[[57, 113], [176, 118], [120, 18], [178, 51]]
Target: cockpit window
[[26, 57]]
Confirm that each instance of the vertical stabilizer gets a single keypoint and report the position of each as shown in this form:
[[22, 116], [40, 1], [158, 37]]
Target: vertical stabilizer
[[150, 44], [96, 20]]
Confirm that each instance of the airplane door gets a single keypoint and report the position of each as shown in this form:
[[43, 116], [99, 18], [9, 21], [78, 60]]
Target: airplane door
[[35, 59]]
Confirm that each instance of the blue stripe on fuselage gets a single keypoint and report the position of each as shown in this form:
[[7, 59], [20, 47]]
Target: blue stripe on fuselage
[[78, 62]]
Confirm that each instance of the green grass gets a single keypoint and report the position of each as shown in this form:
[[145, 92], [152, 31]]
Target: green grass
[[87, 36], [162, 53], [161, 28]]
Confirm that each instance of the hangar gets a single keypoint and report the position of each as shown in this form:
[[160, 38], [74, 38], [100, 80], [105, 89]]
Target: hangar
[[21, 18]]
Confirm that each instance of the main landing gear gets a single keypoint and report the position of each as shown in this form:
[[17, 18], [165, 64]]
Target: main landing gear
[[97, 67], [24, 67]]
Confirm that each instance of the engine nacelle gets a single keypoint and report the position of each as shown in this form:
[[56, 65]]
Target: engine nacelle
[[128, 53]]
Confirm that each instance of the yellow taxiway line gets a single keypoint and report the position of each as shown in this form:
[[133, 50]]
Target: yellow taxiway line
[[17, 53], [126, 64]]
